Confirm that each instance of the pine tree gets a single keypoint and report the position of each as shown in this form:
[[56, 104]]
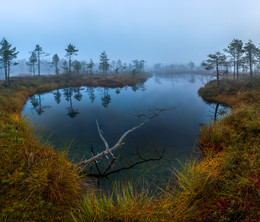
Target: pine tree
[[39, 52], [90, 66], [214, 62], [55, 62], [7, 55], [118, 66], [65, 66], [235, 49], [104, 65], [191, 66], [251, 52], [138, 66], [70, 51], [77, 67], [32, 61]]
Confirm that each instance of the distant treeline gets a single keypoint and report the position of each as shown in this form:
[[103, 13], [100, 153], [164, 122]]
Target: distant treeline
[[238, 58], [37, 62], [177, 68]]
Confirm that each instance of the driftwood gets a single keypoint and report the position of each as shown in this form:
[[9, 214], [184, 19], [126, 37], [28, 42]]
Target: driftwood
[[108, 150]]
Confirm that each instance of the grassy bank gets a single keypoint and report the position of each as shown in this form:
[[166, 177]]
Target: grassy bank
[[38, 183], [224, 186]]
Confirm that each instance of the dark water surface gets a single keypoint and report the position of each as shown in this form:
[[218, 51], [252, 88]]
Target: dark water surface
[[66, 118]]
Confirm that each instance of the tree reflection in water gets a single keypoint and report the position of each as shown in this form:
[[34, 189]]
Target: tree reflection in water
[[37, 104], [71, 111], [91, 94], [78, 95], [57, 96], [106, 99], [118, 91]]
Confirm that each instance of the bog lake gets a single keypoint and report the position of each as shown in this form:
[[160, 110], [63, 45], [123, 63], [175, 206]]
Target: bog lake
[[66, 118]]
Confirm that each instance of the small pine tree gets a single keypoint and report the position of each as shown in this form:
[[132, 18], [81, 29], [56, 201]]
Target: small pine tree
[[77, 67], [39, 52], [235, 49], [7, 55], [55, 62], [32, 61], [104, 65], [251, 52], [214, 62], [70, 51], [65, 66], [90, 66]]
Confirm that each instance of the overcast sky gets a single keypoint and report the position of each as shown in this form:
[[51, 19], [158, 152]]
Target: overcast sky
[[166, 31]]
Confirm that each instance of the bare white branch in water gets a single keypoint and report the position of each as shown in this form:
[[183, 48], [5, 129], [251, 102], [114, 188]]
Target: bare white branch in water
[[120, 142], [101, 136]]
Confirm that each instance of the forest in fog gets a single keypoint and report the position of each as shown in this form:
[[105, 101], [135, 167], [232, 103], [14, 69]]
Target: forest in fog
[[235, 58]]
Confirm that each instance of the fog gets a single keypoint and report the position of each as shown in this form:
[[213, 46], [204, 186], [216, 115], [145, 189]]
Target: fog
[[165, 31]]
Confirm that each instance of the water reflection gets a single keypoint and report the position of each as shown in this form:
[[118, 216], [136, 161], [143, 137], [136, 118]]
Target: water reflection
[[91, 94], [77, 93], [106, 99], [192, 78], [105, 170], [72, 113], [36, 102], [217, 111], [57, 96], [118, 91]]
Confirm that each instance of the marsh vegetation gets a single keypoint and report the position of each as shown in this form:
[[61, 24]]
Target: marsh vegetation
[[43, 178]]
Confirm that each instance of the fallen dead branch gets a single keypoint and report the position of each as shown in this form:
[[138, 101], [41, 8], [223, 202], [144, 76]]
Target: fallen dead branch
[[106, 172], [108, 150]]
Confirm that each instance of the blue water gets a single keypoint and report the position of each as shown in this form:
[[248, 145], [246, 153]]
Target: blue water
[[66, 119]]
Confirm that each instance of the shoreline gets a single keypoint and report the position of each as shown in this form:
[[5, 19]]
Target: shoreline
[[38, 182]]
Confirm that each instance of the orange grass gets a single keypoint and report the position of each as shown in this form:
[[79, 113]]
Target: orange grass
[[37, 182], [224, 186]]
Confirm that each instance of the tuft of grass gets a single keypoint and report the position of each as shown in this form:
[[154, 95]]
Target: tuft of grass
[[123, 204]]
